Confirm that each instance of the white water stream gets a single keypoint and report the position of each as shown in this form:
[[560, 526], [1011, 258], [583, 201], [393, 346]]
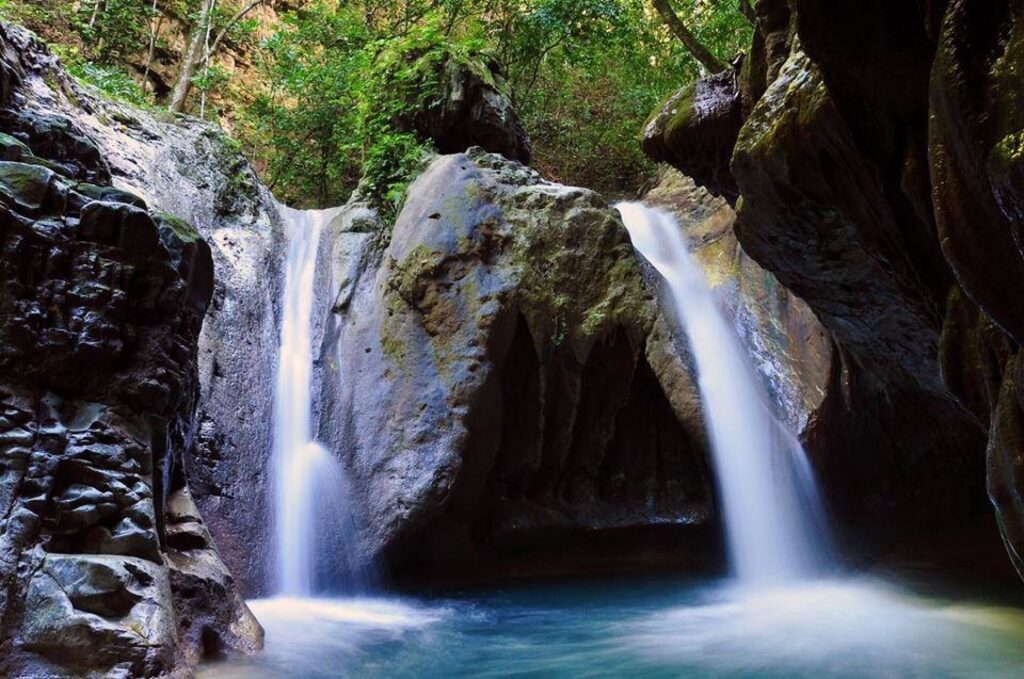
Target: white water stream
[[772, 513], [305, 474]]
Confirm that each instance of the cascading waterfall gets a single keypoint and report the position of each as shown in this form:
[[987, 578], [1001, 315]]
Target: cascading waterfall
[[305, 475], [778, 623], [773, 515]]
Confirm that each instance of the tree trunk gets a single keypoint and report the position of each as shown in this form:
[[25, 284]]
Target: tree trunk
[[190, 60], [196, 52], [693, 46], [155, 20]]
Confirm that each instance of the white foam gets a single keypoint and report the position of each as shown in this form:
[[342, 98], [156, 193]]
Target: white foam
[[831, 628]]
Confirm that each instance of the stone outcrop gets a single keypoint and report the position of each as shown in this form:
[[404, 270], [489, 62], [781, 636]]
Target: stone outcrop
[[711, 104], [472, 107], [876, 174], [106, 566], [504, 383]]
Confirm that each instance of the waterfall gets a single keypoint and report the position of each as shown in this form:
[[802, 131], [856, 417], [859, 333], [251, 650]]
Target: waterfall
[[773, 516], [305, 474]]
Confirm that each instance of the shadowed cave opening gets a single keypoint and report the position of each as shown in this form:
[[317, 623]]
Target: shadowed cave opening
[[578, 468]]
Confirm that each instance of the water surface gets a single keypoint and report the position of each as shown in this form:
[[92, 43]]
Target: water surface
[[663, 628]]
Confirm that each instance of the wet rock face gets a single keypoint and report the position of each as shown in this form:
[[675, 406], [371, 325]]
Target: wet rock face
[[186, 169], [877, 172], [790, 349], [103, 300]]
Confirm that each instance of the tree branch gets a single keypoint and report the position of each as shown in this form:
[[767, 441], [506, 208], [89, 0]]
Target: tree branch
[[747, 11], [693, 46], [239, 15]]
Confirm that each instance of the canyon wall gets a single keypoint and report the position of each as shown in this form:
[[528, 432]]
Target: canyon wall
[[871, 149], [106, 565]]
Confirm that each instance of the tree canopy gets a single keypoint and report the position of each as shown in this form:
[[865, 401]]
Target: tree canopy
[[317, 110]]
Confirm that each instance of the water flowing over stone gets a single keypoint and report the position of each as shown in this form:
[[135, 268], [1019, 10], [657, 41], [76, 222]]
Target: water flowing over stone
[[306, 477], [772, 512]]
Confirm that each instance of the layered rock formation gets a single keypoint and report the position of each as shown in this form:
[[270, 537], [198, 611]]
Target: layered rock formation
[[106, 566], [190, 169], [873, 147]]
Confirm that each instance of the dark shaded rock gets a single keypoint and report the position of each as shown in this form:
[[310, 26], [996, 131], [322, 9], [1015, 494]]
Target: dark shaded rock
[[814, 213], [89, 616], [837, 165], [1005, 462], [24, 187], [12, 149], [473, 108], [977, 157], [973, 353], [212, 619], [977, 124], [817, 212], [775, 29], [695, 131], [100, 317], [11, 72]]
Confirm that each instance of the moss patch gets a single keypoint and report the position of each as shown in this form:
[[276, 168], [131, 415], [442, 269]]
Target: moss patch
[[24, 184], [177, 226]]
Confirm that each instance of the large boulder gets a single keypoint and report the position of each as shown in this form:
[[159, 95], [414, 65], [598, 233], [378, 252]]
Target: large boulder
[[508, 385]]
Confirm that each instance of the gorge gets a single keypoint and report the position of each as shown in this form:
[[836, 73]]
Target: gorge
[[763, 422]]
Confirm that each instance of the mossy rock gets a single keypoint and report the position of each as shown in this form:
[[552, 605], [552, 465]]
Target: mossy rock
[[110, 194], [175, 226], [12, 149], [24, 185]]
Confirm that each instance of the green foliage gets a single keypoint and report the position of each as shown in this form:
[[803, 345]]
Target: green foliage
[[111, 80], [211, 78], [332, 120], [338, 82], [26, 13], [114, 29], [586, 101], [584, 75], [93, 39]]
